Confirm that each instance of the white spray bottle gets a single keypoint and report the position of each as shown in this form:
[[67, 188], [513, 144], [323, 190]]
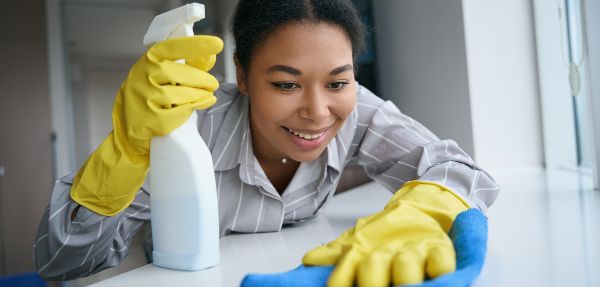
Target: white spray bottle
[[183, 196]]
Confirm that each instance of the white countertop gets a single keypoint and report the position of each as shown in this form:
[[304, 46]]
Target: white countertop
[[543, 231]]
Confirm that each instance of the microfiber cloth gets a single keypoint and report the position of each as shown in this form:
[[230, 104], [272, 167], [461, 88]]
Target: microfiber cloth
[[468, 234]]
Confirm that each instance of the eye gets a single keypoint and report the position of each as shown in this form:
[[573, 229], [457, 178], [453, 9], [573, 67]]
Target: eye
[[285, 86], [338, 85]]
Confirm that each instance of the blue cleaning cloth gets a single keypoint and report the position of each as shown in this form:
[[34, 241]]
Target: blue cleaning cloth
[[22, 280], [468, 234], [308, 276]]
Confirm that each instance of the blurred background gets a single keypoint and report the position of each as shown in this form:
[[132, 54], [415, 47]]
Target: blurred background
[[515, 82]]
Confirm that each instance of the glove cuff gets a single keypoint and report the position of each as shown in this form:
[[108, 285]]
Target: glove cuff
[[436, 200], [108, 181]]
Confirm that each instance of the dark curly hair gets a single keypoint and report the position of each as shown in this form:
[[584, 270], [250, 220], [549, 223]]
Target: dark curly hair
[[254, 20]]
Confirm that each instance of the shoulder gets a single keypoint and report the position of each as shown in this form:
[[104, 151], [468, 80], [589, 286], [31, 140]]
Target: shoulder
[[227, 90], [367, 104], [364, 96], [225, 113], [226, 94]]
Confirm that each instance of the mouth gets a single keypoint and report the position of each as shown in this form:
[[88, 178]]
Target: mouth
[[307, 134], [308, 140]]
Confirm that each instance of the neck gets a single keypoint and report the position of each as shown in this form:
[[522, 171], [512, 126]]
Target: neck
[[266, 159]]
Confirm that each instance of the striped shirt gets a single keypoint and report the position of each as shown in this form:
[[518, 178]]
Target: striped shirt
[[390, 146]]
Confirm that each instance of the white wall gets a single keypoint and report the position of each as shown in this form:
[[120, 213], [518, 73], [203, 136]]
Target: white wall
[[467, 70], [559, 107], [421, 64], [502, 74], [592, 31]]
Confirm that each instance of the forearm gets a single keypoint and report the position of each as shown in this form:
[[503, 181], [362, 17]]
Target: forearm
[[394, 149], [110, 177], [440, 162], [73, 244]]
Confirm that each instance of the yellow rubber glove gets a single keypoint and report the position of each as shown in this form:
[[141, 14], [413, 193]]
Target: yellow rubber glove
[[400, 244], [157, 96]]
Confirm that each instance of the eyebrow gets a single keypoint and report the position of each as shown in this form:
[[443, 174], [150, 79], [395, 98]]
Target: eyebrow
[[296, 72], [285, 69], [341, 69]]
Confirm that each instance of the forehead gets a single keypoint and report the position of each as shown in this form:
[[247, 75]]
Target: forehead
[[301, 42]]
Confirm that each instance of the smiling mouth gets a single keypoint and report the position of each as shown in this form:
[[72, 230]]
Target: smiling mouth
[[306, 135]]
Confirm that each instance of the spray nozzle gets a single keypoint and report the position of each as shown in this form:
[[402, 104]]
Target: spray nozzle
[[175, 23]]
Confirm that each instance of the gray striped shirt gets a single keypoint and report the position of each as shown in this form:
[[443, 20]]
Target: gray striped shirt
[[390, 146]]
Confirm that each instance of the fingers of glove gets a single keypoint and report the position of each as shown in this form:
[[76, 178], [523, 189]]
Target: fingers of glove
[[346, 268], [328, 254], [173, 97], [408, 267], [172, 73], [185, 48], [170, 119], [323, 255], [168, 116], [346, 235], [440, 260], [203, 63], [375, 270]]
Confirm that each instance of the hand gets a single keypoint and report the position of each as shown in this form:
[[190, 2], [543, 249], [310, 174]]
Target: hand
[[401, 244], [157, 96], [469, 237]]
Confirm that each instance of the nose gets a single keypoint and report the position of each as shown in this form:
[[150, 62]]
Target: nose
[[315, 105]]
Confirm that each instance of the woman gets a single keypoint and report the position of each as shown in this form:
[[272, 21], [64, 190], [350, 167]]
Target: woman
[[280, 139]]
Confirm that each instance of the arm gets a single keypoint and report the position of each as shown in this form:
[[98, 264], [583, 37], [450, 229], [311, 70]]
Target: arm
[[70, 246], [157, 96], [394, 149]]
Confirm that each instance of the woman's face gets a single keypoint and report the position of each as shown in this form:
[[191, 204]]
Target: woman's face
[[301, 87]]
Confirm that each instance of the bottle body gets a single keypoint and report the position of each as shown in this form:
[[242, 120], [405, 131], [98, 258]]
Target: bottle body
[[183, 198]]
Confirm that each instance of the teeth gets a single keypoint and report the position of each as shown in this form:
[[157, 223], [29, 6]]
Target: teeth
[[305, 136]]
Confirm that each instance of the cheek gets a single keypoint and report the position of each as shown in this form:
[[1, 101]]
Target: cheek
[[344, 106], [270, 111]]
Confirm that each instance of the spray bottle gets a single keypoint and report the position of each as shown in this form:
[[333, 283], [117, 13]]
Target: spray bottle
[[183, 196]]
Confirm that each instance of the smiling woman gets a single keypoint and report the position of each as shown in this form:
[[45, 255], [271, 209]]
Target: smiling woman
[[298, 101], [279, 139]]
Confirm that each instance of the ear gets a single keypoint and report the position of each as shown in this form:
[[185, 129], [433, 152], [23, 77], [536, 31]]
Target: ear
[[240, 76]]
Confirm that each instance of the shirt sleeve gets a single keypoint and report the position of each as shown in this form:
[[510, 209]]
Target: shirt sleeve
[[394, 148], [67, 249]]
